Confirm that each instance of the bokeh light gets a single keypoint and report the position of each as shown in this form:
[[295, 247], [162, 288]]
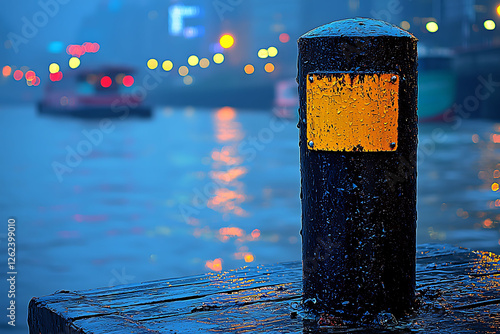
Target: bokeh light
[[498, 10], [495, 186], [106, 81], [183, 71], [263, 53], [226, 41], [272, 51], [36, 82], [269, 67], [284, 38], [204, 62], [193, 60], [74, 62], [489, 25], [218, 58], [54, 68], [152, 64], [6, 70], [431, 26], [167, 65], [30, 76], [405, 25], [188, 80], [56, 76], [128, 80], [18, 75], [249, 69]]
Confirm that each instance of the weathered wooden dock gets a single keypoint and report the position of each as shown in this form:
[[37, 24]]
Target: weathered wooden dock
[[458, 292]]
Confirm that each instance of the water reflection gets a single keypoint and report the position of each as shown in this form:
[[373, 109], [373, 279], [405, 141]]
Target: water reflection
[[226, 172]]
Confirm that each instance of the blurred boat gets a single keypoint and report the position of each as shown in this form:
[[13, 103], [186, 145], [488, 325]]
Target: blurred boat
[[101, 92], [286, 99], [437, 83]]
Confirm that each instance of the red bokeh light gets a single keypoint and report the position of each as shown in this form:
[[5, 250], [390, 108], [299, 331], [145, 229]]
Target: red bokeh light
[[18, 75], [30, 75], [79, 50], [56, 76], [36, 81], [284, 38], [106, 81], [128, 80]]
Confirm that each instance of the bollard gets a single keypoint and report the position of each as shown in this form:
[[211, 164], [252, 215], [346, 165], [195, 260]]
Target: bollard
[[358, 149]]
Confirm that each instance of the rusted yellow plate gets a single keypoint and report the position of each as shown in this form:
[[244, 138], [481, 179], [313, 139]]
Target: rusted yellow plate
[[352, 112]]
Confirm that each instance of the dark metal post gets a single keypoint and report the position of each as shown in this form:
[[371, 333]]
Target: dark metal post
[[358, 149]]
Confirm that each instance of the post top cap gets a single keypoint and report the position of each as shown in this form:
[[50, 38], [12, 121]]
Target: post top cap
[[358, 27]]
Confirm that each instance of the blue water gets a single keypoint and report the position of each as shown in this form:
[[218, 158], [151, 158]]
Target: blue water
[[191, 190]]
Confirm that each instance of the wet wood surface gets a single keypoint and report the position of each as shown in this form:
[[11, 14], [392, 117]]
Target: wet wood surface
[[458, 292]]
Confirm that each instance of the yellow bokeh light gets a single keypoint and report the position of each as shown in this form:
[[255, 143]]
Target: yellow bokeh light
[[204, 62], [405, 25], [495, 186], [498, 10], [218, 58], [167, 65], [432, 26], [74, 62], [54, 68], [263, 53], [188, 80], [249, 69], [489, 25], [152, 64], [183, 71], [226, 41], [269, 67], [272, 51], [193, 60]]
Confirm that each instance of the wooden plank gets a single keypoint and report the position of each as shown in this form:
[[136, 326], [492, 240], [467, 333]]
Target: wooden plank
[[458, 291]]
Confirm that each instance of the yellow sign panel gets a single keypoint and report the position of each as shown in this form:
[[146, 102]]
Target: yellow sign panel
[[352, 112]]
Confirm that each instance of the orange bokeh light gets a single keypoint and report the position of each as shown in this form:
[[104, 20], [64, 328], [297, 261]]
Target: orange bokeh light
[[6, 70], [215, 265], [225, 114]]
